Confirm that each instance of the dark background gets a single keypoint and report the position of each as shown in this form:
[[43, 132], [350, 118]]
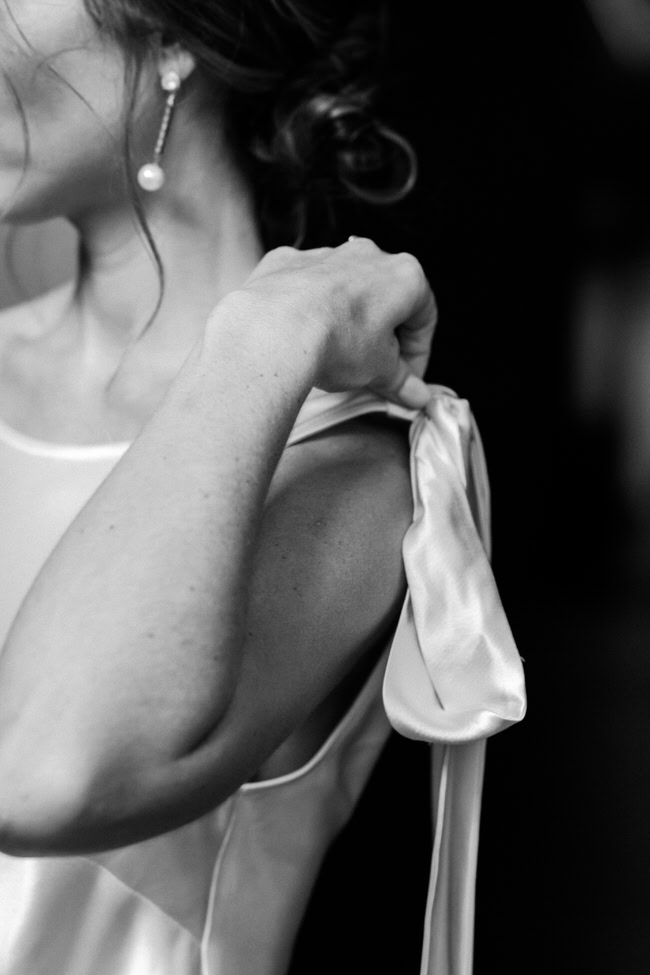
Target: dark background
[[535, 171]]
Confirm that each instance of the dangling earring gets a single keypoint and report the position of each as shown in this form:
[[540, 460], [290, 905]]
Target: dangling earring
[[151, 176]]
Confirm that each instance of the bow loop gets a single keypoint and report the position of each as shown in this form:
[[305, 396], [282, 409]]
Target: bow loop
[[454, 673]]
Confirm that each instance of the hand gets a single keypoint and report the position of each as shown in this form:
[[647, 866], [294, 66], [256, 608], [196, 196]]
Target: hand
[[376, 310]]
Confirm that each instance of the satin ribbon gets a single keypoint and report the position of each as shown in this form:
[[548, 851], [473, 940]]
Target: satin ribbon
[[454, 676]]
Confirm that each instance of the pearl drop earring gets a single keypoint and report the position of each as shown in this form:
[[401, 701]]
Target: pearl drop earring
[[151, 176]]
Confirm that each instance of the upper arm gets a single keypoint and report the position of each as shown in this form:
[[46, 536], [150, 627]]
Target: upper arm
[[327, 584]]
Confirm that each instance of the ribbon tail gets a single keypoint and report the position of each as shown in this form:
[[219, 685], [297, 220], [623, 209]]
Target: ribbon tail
[[454, 675], [457, 785]]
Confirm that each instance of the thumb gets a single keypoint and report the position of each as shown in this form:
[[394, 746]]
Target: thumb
[[406, 389]]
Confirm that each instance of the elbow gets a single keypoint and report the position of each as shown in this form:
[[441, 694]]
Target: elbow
[[41, 808], [66, 806], [74, 792], [77, 794], [62, 804]]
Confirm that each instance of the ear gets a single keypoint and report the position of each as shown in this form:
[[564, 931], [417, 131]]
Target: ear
[[174, 57]]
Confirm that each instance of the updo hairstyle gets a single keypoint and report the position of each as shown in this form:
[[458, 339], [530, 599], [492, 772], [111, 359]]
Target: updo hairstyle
[[293, 81]]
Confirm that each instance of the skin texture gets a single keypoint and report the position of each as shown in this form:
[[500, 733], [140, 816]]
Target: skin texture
[[208, 615], [49, 51]]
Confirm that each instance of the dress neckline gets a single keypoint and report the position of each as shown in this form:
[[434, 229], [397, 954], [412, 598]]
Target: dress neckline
[[37, 447], [64, 451], [316, 414]]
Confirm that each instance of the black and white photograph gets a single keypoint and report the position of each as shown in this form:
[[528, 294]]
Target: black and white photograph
[[324, 487]]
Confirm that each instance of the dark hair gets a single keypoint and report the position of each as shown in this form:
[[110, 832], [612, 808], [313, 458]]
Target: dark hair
[[294, 81]]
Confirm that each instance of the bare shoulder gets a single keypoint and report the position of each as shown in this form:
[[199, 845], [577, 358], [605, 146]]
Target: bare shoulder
[[327, 588], [333, 527], [369, 445], [354, 477]]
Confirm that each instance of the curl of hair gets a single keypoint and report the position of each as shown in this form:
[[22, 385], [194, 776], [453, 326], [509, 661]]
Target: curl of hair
[[293, 81]]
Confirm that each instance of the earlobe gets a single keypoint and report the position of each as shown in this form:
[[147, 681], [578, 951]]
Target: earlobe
[[174, 57], [174, 66]]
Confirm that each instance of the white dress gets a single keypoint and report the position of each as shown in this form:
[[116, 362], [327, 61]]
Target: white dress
[[225, 894]]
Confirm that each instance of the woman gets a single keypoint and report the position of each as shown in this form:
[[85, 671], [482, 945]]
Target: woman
[[196, 596]]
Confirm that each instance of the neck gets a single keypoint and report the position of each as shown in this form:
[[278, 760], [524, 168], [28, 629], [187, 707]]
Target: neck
[[206, 237]]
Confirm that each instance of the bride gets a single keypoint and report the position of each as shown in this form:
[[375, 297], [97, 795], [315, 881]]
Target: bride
[[205, 484]]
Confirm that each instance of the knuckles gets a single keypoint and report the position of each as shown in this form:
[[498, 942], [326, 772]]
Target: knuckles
[[342, 281], [279, 257], [362, 244], [410, 269]]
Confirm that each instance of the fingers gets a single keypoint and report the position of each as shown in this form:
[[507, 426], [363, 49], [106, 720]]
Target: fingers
[[405, 286], [415, 333], [415, 338], [376, 308], [404, 276]]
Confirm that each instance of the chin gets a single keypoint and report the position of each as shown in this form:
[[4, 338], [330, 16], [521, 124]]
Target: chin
[[33, 200], [22, 215], [20, 204]]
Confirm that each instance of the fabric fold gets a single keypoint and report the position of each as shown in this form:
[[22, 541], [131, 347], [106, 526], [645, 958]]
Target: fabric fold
[[454, 673]]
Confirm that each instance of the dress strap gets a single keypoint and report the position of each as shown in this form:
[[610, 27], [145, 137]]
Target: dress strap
[[324, 411]]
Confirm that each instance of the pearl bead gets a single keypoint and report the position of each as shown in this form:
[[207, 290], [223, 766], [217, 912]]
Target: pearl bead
[[151, 177], [170, 81]]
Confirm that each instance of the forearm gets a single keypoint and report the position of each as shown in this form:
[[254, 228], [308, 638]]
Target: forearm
[[130, 637], [135, 689]]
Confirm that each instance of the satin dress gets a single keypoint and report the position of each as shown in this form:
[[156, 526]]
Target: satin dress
[[225, 894]]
